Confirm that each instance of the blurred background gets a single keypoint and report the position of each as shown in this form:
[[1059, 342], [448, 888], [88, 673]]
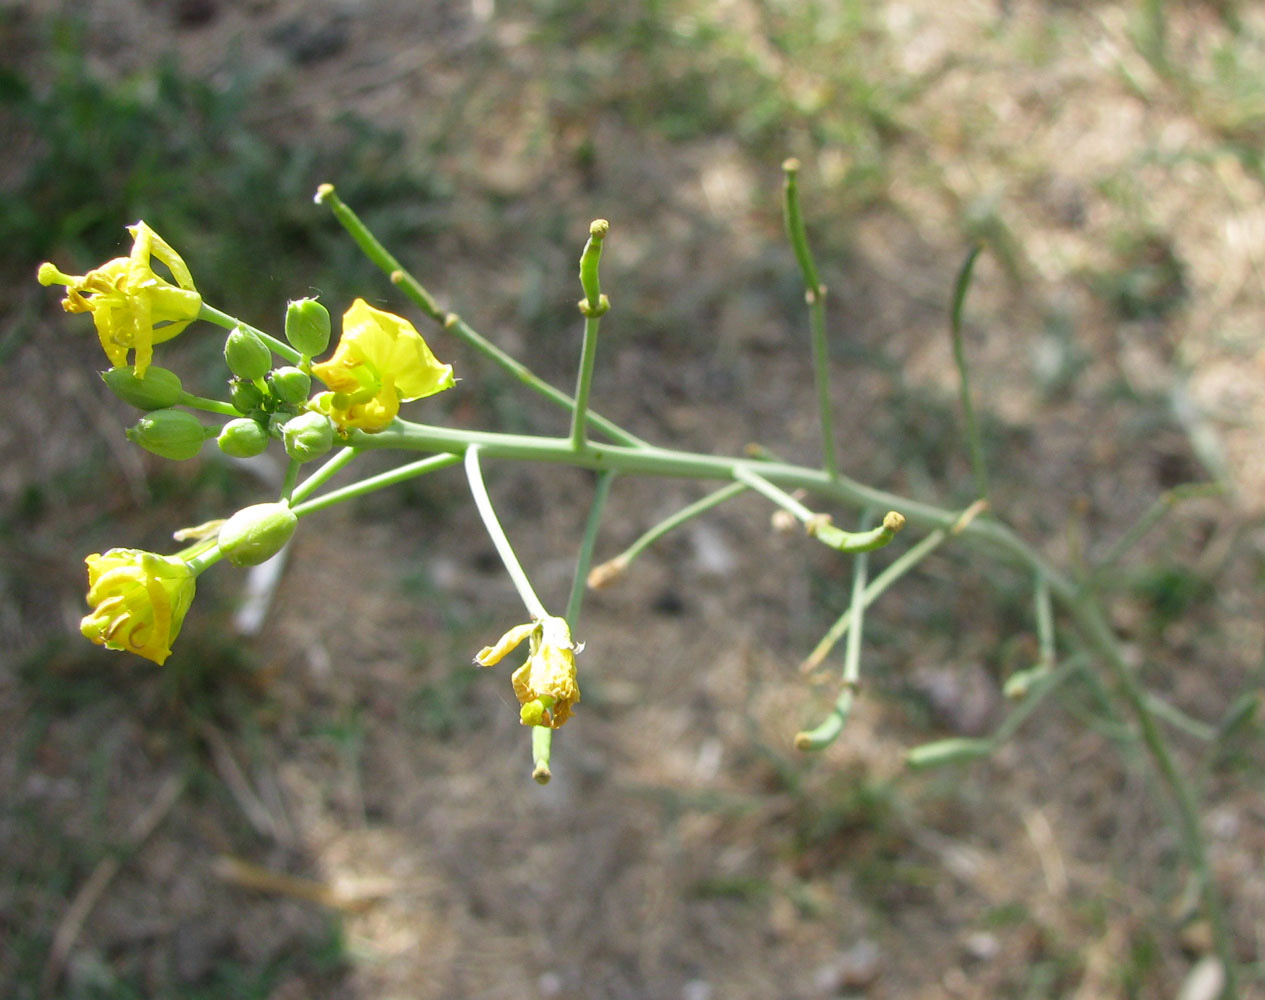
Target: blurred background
[[336, 804]]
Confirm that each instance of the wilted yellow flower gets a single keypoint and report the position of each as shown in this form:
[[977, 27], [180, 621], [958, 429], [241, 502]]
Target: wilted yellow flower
[[381, 361], [138, 600], [546, 684], [132, 307]]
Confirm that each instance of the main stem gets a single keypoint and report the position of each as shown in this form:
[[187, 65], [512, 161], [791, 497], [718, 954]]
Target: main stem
[[1079, 604]]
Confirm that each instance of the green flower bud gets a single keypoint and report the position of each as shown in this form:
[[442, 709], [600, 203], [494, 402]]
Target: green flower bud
[[257, 533], [245, 395], [247, 356], [307, 326], [291, 384], [159, 389], [243, 438], [308, 436], [277, 422], [173, 434]]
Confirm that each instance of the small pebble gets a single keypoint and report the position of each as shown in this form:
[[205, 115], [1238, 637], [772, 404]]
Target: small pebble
[[854, 969]]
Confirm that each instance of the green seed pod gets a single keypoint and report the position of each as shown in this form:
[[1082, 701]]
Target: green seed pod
[[244, 395], [173, 434], [291, 384], [955, 750], [307, 326], [248, 357], [257, 533], [159, 389], [308, 436], [243, 438]]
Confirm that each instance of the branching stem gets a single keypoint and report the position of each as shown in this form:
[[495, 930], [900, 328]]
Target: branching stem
[[815, 296], [974, 442], [500, 540], [453, 323]]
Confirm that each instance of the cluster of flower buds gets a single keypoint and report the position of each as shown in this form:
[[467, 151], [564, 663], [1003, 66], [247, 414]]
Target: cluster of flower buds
[[273, 400], [139, 599]]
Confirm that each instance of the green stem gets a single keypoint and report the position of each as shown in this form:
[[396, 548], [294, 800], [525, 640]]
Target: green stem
[[985, 532], [322, 475], [1179, 720], [204, 560], [209, 405], [898, 568], [500, 540], [453, 323], [766, 489], [828, 731], [615, 566], [222, 319], [1045, 623], [1089, 618], [291, 478], [1041, 688], [584, 557], [1152, 516], [818, 525], [654, 461], [852, 653], [541, 743], [815, 295], [372, 483], [974, 441], [588, 356], [962, 749], [542, 736]]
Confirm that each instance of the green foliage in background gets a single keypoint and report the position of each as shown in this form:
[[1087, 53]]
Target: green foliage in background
[[204, 157]]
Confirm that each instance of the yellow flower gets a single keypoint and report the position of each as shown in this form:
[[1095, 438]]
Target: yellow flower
[[138, 601], [546, 684], [132, 307], [380, 361]]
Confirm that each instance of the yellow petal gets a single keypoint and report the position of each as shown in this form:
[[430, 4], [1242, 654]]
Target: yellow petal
[[490, 655], [132, 307], [546, 685], [392, 345], [138, 600], [147, 242]]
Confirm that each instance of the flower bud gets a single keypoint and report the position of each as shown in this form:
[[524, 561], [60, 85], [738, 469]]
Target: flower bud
[[308, 436], [244, 395], [307, 326], [277, 423], [159, 389], [173, 434], [138, 599], [255, 534], [243, 438], [291, 384], [248, 357]]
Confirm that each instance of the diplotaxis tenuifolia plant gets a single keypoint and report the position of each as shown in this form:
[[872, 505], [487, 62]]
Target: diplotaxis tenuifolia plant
[[326, 414]]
